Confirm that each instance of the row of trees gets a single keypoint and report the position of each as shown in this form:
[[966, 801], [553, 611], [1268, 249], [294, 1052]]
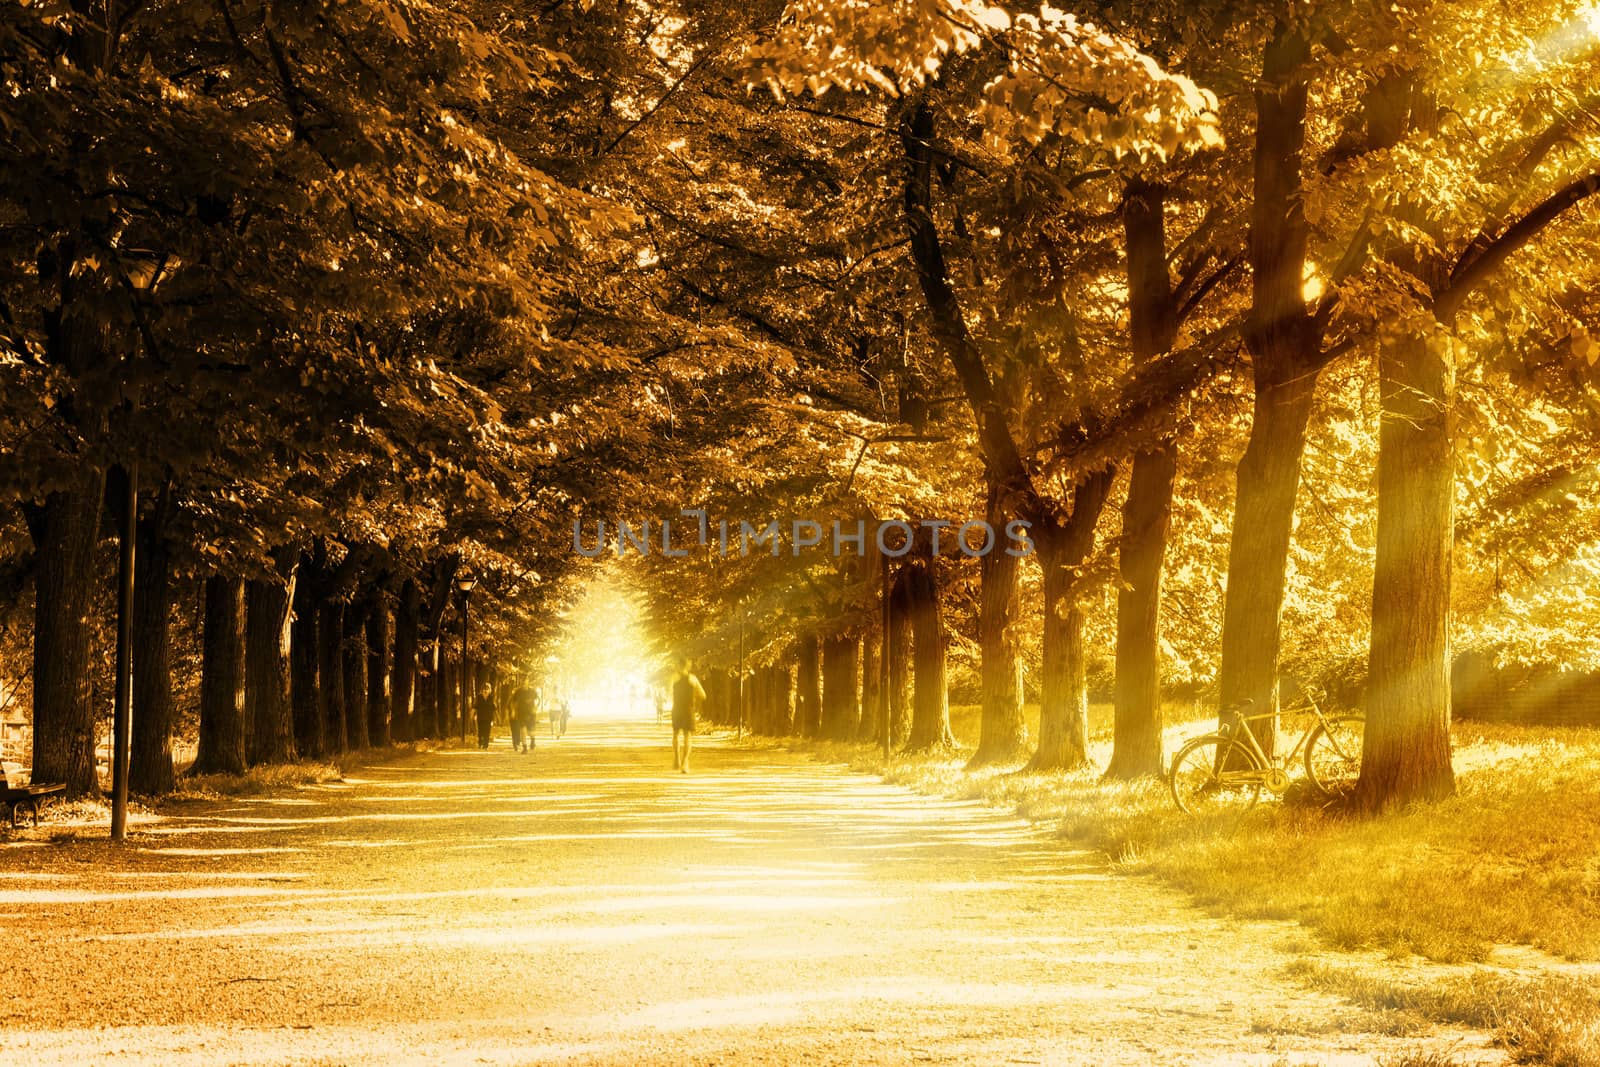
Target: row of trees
[[378, 294], [342, 285], [1384, 181]]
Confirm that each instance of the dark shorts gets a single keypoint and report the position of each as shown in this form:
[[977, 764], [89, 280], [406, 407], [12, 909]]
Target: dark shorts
[[683, 721]]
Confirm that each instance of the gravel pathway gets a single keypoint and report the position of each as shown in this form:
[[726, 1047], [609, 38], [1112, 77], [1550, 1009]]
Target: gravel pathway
[[587, 905]]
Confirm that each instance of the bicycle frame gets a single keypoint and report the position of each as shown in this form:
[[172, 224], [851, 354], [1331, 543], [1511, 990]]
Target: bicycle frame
[[1247, 737]]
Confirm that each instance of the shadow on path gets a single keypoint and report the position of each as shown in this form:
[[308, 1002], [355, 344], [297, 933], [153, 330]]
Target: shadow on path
[[586, 904]]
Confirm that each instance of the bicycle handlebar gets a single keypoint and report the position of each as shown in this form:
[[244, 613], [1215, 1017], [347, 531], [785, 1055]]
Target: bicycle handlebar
[[1237, 709]]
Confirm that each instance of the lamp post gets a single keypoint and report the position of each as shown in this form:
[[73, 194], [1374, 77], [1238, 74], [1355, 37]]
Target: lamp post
[[884, 673], [465, 584], [145, 271], [122, 715], [738, 731]]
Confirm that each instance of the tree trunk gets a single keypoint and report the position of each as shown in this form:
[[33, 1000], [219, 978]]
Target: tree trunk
[[65, 529], [785, 693], [1063, 696], [711, 707], [808, 692], [461, 694], [267, 669], [309, 736], [1136, 727], [1152, 320], [1002, 732], [222, 680], [871, 687], [407, 618], [379, 693], [1406, 754], [755, 697], [772, 723], [1263, 523], [435, 708], [353, 654], [841, 703], [426, 687], [469, 696], [330, 668], [150, 771], [1284, 341], [724, 682], [897, 645], [445, 691], [930, 711], [765, 712], [1063, 691]]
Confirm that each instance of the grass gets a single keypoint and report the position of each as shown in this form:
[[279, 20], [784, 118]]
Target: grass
[[1420, 1058], [253, 782], [273, 776], [1552, 1019], [1514, 858]]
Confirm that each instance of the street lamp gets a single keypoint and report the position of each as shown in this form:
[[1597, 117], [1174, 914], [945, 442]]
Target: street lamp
[[141, 273], [465, 584], [739, 727]]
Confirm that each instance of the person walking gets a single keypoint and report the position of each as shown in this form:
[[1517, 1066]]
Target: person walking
[[485, 711], [686, 693], [524, 717]]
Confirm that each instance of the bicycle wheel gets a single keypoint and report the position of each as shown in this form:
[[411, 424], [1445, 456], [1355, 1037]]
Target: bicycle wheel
[[1333, 754], [1215, 775]]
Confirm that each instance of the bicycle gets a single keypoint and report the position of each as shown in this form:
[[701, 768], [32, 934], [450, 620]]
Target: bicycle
[[1226, 770]]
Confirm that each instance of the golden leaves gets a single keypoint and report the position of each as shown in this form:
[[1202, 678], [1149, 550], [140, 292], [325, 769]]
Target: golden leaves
[[1064, 79]]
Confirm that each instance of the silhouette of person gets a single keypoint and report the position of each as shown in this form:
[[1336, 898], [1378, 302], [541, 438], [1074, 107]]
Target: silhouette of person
[[485, 710], [686, 693], [524, 717]]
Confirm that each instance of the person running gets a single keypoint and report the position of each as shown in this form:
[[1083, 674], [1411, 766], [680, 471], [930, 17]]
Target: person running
[[559, 716], [524, 717], [485, 710], [686, 693]]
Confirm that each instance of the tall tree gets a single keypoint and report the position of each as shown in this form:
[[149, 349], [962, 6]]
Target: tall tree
[[223, 726], [150, 770], [1153, 320], [268, 631]]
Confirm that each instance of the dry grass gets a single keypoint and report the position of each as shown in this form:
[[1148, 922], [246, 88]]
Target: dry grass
[[272, 776], [1552, 1019], [1514, 858], [253, 782], [1420, 1058]]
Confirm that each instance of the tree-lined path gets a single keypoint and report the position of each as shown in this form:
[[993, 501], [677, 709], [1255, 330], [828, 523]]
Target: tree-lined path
[[587, 905]]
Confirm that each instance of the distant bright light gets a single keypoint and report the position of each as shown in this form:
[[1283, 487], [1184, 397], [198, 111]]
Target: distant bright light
[[602, 662]]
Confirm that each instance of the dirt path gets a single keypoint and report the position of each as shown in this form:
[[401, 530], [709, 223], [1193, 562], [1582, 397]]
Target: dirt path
[[587, 905]]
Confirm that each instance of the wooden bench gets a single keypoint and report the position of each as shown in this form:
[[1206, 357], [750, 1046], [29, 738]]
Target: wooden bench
[[19, 799]]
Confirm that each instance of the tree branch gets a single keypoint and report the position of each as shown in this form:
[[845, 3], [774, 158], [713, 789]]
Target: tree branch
[[653, 108], [1475, 265], [999, 447], [1216, 278]]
